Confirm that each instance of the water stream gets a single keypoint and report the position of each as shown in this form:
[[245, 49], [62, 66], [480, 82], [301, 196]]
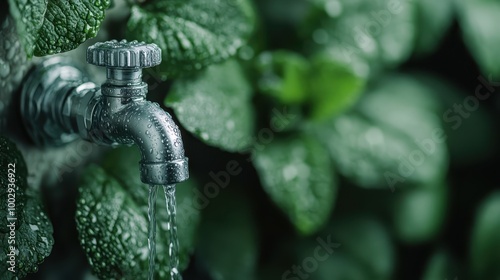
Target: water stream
[[152, 230], [173, 242]]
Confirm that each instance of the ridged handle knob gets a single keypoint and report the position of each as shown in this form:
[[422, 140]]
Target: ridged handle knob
[[123, 54]]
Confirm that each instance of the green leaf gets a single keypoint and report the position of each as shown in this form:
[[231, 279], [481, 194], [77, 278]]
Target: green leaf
[[122, 165], [283, 75], [192, 33], [440, 266], [329, 85], [33, 14], [34, 237], [479, 21], [395, 137], [9, 154], [485, 241], [365, 251], [54, 26], [296, 173], [334, 86], [379, 32], [216, 106], [419, 213], [112, 219], [367, 241], [434, 19], [33, 230], [228, 238], [477, 128], [342, 267]]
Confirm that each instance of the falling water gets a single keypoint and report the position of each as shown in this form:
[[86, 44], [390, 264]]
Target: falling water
[[173, 242], [152, 230]]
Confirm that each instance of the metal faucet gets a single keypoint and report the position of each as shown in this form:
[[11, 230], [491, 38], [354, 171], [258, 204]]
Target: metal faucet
[[59, 104]]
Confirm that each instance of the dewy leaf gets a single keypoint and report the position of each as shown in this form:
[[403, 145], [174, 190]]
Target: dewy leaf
[[112, 220], [192, 33], [34, 237], [381, 32], [334, 86], [111, 227], [54, 26], [298, 176], [9, 154], [216, 106], [485, 241], [395, 137], [228, 223], [32, 228], [419, 213], [479, 22]]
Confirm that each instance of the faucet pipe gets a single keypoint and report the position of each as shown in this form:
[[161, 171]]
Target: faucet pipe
[[59, 104]]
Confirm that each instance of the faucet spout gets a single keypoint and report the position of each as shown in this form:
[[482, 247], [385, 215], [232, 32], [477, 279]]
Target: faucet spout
[[59, 105], [126, 120], [162, 150]]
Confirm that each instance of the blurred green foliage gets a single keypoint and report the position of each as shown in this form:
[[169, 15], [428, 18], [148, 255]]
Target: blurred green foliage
[[227, 119], [337, 140], [485, 238], [297, 175], [479, 22]]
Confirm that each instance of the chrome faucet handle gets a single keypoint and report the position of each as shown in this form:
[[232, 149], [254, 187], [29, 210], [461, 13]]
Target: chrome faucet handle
[[124, 60], [123, 54]]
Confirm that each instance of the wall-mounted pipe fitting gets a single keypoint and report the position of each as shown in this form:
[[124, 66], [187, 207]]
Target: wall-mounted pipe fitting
[[59, 105]]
